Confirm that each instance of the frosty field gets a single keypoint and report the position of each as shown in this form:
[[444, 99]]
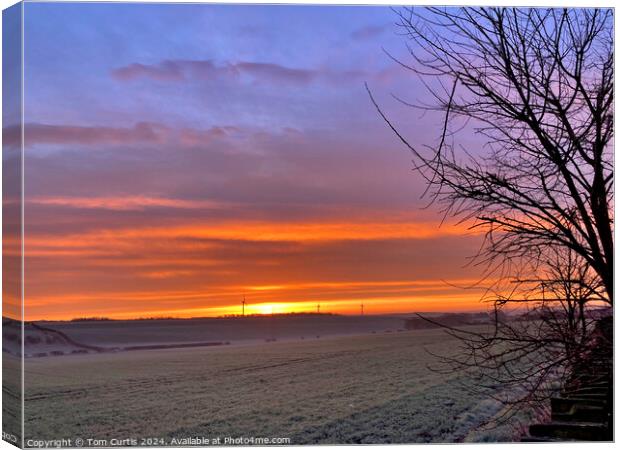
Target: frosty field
[[373, 388]]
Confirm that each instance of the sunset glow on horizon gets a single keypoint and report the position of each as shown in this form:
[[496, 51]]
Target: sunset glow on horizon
[[434, 298], [170, 174]]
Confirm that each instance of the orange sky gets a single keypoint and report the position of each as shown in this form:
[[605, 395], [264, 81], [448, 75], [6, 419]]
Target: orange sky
[[204, 268], [167, 177], [186, 269]]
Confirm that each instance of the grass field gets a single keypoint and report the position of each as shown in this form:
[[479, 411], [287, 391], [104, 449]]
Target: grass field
[[363, 389], [11, 396]]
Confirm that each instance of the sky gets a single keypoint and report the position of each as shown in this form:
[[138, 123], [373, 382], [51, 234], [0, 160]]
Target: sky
[[179, 157]]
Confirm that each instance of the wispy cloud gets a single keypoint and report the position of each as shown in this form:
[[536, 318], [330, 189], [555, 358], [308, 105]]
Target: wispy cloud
[[175, 70], [369, 32], [243, 71], [257, 232], [140, 133], [129, 203]]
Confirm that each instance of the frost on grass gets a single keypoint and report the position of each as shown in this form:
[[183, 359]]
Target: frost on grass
[[363, 389]]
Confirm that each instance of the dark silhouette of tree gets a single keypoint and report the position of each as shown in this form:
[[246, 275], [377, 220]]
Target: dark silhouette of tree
[[537, 86], [521, 358]]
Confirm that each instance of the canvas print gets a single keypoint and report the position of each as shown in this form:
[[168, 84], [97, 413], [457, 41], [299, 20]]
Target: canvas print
[[229, 224]]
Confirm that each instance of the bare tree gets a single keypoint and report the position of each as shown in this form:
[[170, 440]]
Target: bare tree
[[520, 358], [537, 86]]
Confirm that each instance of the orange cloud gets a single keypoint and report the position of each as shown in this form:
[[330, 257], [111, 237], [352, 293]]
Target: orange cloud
[[252, 231], [128, 203], [203, 269]]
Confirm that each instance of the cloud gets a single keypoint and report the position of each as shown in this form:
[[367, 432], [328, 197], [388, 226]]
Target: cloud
[[242, 71], [369, 32], [261, 231], [140, 133], [11, 135], [275, 72], [62, 134], [165, 71], [125, 203], [176, 70], [144, 272], [282, 174]]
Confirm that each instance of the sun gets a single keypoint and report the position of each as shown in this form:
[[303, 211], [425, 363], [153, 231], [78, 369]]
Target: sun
[[266, 308], [275, 308]]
